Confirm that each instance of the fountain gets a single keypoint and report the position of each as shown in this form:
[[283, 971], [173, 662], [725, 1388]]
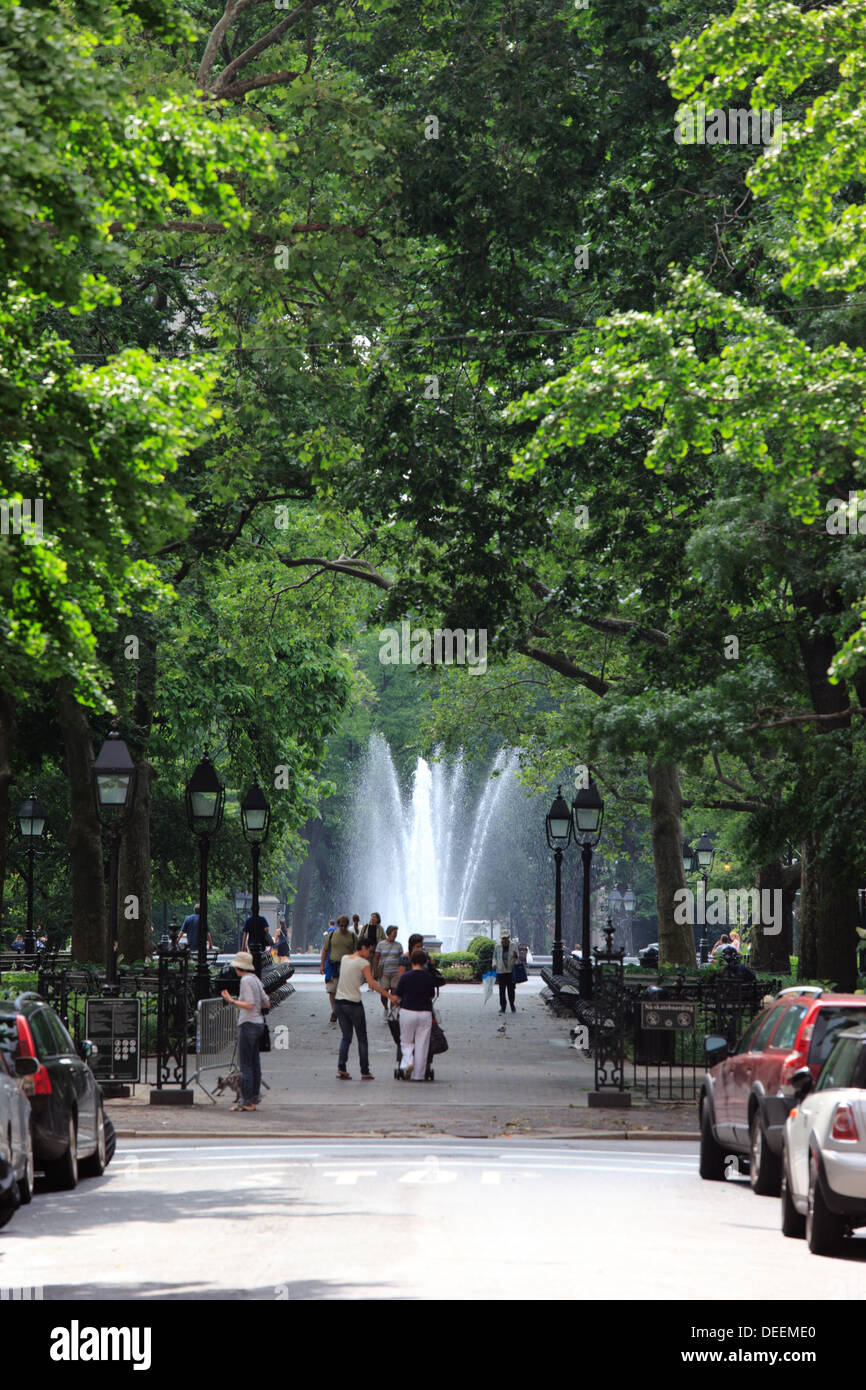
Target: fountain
[[415, 859]]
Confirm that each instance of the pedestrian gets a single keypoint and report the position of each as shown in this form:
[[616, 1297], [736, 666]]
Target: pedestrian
[[723, 941], [386, 961], [349, 1006], [283, 951], [405, 963], [18, 943], [372, 932], [339, 943], [505, 958], [415, 990], [190, 927], [257, 933], [250, 1002]]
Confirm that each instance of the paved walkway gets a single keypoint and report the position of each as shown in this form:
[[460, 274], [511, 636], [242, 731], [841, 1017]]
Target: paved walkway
[[515, 1074]]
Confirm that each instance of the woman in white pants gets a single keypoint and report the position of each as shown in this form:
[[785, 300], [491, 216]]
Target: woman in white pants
[[415, 990]]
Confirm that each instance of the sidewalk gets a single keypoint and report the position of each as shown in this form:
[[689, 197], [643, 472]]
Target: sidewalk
[[502, 1075]]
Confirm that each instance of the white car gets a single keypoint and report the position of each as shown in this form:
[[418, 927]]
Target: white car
[[824, 1152]]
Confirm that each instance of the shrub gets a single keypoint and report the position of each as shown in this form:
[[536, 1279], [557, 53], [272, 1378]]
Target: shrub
[[477, 944]]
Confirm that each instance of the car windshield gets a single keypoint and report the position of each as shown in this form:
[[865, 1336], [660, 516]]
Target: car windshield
[[841, 1065], [829, 1023]]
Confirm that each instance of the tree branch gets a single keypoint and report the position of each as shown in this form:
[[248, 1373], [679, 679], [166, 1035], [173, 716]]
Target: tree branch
[[804, 718], [557, 662], [346, 564]]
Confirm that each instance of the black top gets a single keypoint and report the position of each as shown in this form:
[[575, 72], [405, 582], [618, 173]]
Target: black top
[[416, 990]]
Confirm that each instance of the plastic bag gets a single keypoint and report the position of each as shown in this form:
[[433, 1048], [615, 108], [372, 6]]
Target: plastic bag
[[487, 981]]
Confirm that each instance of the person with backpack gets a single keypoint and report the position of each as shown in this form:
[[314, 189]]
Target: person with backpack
[[339, 943]]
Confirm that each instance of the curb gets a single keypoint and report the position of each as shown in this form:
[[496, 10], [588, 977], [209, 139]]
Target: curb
[[678, 1136]]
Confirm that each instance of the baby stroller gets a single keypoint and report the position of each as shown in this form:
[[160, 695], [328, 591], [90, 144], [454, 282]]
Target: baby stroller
[[394, 1025]]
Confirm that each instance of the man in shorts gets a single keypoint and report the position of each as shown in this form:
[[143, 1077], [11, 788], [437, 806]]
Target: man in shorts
[[386, 962], [340, 942]]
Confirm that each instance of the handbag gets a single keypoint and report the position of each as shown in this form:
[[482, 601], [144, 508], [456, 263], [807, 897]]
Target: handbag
[[438, 1040], [265, 1039], [518, 974]]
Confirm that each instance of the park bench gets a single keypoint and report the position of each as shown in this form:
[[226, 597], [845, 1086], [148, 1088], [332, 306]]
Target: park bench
[[563, 987]]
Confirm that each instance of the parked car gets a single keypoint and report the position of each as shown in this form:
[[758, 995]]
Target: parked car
[[16, 1139], [824, 1150], [745, 1097], [67, 1115]]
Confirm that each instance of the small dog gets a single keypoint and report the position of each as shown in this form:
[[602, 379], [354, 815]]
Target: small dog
[[232, 1082]]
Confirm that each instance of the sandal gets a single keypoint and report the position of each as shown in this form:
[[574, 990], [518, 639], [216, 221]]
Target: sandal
[[236, 1107], [343, 1076], [367, 1076]]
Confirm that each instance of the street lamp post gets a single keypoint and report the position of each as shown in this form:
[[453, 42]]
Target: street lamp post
[[31, 819], [256, 820], [205, 798], [114, 778], [557, 825], [629, 903], [704, 854], [614, 901], [588, 813]]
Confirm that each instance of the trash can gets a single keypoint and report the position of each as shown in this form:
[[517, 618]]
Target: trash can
[[652, 1046]]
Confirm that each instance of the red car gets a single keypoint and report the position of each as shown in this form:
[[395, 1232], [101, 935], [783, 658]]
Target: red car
[[741, 1107]]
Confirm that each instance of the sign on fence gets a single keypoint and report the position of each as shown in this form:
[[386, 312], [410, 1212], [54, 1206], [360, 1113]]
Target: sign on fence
[[674, 1015], [114, 1025]]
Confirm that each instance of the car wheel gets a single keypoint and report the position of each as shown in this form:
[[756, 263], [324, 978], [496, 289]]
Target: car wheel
[[27, 1183], [765, 1173], [94, 1166], [10, 1206], [712, 1159], [824, 1229], [793, 1224], [62, 1174]]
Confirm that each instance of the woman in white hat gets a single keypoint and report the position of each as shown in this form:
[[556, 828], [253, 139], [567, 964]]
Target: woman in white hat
[[249, 1004]]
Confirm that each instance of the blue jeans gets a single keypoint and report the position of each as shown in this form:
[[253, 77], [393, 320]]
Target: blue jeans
[[351, 1018], [249, 1061]]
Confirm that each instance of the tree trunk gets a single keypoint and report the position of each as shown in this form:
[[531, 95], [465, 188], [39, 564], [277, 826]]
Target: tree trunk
[[7, 738], [774, 952], [86, 858], [676, 940], [829, 916], [135, 933], [301, 904]]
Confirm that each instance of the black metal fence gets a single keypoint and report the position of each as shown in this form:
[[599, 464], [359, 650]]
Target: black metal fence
[[649, 1035]]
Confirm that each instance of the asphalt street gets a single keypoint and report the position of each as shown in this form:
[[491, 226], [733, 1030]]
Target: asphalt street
[[430, 1219]]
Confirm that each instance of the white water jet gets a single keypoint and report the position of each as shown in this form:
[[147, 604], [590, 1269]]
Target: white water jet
[[405, 854]]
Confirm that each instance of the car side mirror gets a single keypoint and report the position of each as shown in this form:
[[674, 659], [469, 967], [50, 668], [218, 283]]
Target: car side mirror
[[714, 1044], [87, 1048], [801, 1082], [26, 1066]]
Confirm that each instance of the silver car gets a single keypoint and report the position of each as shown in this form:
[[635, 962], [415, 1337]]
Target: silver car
[[16, 1143], [824, 1153]]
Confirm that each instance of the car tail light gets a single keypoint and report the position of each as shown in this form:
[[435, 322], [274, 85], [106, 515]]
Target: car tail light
[[40, 1083], [844, 1126], [793, 1062]]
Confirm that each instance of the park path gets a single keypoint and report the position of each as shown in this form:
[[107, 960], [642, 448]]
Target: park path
[[515, 1074]]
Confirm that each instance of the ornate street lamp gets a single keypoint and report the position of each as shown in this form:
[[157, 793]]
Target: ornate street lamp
[[704, 854], [588, 813], [690, 862], [114, 778], [629, 904], [256, 820], [557, 825], [205, 799], [31, 819]]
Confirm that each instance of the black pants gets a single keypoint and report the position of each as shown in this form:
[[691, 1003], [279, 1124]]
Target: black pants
[[505, 982], [352, 1019]]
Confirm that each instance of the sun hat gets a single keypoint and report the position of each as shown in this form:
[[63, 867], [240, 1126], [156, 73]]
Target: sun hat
[[244, 961]]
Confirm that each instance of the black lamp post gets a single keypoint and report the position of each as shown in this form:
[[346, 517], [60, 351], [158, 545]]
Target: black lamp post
[[614, 900], [557, 825], [205, 799], [31, 819], [114, 777], [256, 819], [629, 904], [588, 813], [704, 854]]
